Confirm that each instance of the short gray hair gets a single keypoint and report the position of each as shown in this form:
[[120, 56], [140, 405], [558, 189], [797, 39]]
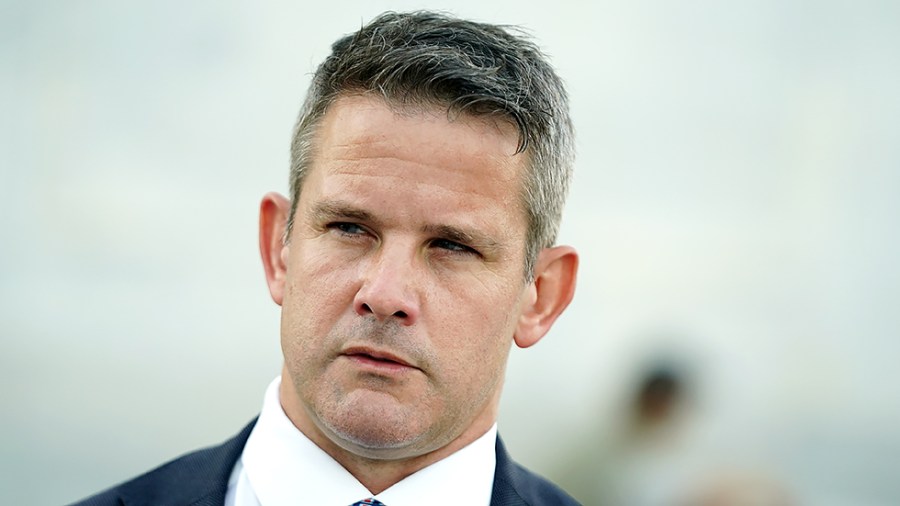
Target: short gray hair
[[425, 58]]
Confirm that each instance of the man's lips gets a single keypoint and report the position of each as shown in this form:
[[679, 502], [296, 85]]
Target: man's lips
[[379, 360]]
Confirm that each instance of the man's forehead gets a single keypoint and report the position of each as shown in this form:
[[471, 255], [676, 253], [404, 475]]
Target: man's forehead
[[359, 130], [350, 106]]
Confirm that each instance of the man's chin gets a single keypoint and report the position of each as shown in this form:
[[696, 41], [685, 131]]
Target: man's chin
[[375, 433]]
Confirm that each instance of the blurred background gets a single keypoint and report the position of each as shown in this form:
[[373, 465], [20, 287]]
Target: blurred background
[[733, 340]]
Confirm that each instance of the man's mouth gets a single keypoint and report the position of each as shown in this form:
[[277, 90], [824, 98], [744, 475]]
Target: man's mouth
[[377, 359]]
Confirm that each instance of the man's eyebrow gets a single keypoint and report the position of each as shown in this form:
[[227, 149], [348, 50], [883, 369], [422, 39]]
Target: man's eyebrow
[[328, 210]]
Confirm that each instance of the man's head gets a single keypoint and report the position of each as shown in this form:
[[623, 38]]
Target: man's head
[[429, 60], [398, 264]]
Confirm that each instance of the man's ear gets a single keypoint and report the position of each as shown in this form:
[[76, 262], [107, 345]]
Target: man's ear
[[549, 295], [273, 214]]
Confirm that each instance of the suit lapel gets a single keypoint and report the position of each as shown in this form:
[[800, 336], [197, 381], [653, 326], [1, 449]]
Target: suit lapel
[[504, 491], [198, 479]]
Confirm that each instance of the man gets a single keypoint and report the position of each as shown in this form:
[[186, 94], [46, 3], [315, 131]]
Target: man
[[428, 171]]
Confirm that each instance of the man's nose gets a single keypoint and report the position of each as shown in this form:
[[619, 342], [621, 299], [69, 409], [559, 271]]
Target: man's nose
[[388, 288]]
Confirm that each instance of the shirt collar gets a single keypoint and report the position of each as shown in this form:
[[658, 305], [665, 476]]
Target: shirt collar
[[284, 467]]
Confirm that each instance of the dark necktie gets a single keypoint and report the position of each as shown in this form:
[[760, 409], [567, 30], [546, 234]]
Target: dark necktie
[[368, 502]]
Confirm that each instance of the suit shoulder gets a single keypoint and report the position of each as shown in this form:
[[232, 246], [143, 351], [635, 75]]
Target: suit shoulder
[[516, 485], [536, 490], [188, 479]]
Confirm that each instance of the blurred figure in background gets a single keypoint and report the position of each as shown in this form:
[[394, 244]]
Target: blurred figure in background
[[660, 451]]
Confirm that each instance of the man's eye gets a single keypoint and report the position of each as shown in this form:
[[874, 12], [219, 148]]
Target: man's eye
[[344, 228], [452, 246]]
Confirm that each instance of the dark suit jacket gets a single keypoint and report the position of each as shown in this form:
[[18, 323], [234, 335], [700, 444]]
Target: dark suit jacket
[[201, 479]]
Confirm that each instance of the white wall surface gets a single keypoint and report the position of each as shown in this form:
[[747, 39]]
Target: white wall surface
[[736, 207]]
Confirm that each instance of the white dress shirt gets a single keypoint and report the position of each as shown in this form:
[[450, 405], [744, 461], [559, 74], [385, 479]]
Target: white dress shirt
[[280, 466]]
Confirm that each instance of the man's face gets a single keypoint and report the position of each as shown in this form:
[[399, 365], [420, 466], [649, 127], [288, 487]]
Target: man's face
[[403, 282]]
